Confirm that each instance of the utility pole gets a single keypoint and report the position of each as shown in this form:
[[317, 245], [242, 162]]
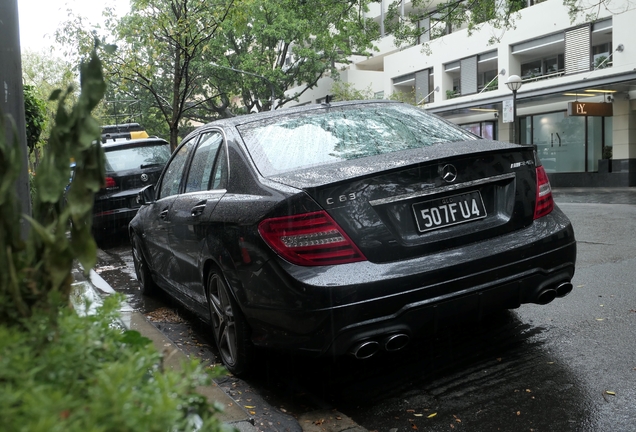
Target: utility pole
[[12, 96]]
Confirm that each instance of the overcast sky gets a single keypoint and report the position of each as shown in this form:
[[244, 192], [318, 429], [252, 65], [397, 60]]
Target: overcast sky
[[40, 18]]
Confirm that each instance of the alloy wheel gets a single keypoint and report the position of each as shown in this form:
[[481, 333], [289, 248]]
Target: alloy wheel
[[223, 320]]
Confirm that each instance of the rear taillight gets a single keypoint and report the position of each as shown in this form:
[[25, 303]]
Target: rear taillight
[[544, 203], [109, 182], [309, 239]]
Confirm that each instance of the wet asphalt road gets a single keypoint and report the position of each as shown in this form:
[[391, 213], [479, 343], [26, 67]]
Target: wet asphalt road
[[566, 366]]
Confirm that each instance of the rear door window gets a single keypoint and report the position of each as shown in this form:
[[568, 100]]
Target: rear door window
[[203, 162], [173, 173]]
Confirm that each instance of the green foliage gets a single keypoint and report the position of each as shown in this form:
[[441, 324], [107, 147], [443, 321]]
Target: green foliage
[[159, 60], [60, 371], [290, 43], [37, 273], [43, 74], [35, 116], [166, 51], [601, 62], [89, 375], [403, 96], [493, 85], [450, 94], [342, 91]]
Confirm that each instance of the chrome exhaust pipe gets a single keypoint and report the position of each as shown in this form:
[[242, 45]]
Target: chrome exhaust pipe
[[545, 296], [564, 289], [395, 342], [365, 349]]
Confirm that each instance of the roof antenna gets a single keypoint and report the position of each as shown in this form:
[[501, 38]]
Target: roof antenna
[[328, 99]]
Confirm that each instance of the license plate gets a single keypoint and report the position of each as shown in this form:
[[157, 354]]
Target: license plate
[[447, 211]]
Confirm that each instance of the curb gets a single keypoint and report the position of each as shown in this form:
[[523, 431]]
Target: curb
[[94, 288]]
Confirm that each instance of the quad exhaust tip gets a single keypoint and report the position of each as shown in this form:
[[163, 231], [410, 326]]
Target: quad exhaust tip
[[548, 294], [395, 342], [564, 289], [545, 296], [367, 348]]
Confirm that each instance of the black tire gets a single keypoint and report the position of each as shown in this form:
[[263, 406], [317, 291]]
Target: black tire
[[142, 271], [230, 329]]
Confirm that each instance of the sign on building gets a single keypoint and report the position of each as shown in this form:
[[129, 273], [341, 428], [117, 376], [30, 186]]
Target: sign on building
[[590, 109], [508, 111]]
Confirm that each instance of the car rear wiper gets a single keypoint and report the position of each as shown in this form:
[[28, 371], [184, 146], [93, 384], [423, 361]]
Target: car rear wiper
[[151, 165]]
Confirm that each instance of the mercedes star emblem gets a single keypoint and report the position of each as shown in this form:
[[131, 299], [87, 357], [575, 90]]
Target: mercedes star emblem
[[449, 173]]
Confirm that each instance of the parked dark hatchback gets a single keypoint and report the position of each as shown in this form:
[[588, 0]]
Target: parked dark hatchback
[[130, 165], [348, 228]]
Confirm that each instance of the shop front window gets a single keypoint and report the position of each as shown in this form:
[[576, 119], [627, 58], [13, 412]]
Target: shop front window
[[486, 129], [560, 141], [567, 144]]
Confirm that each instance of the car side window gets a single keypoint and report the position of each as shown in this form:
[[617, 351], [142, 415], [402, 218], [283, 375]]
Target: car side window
[[220, 170], [203, 162], [174, 171]]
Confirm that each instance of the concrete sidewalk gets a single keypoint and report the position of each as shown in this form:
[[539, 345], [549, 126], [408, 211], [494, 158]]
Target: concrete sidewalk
[[94, 288]]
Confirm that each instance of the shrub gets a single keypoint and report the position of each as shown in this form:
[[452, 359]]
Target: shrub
[[60, 371], [89, 375]]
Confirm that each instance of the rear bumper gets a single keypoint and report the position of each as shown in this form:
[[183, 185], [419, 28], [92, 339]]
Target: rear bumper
[[334, 308]]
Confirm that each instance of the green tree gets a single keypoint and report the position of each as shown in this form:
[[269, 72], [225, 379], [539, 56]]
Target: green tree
[[289, 44], [42, 74], [167, 51], [160, 45], [342, 91], [35, 117]]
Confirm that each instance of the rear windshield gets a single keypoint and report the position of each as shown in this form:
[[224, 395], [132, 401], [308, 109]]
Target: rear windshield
[[342, 133], [131, 158]]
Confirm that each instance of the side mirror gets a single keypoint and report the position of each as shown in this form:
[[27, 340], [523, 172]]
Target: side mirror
[[146, 195]]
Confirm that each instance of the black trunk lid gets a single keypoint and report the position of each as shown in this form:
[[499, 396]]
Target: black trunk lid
[[422, 201]]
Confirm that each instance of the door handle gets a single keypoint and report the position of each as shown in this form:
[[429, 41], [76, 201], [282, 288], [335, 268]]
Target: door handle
[[163, 214], [197, 210]]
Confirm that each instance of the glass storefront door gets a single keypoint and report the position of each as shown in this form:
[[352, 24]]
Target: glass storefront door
[[560, 141], [566, 143]]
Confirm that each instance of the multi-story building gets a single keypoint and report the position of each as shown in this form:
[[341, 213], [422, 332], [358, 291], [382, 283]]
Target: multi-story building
[[577, 99]]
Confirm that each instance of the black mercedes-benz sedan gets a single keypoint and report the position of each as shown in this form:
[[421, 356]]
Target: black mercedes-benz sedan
[[349, 227]]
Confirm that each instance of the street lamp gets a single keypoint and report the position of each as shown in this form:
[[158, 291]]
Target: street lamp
[[271, 84], [514, 83]]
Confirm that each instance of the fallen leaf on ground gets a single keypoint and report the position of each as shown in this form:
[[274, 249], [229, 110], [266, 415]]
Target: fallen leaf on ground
[[611, 393], [164, 314], [431, 415]]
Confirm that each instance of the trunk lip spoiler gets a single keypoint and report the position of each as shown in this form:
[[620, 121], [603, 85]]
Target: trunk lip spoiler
[[438, 190]]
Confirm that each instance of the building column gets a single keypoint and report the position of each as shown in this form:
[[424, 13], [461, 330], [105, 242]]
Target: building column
[[624, 129]]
